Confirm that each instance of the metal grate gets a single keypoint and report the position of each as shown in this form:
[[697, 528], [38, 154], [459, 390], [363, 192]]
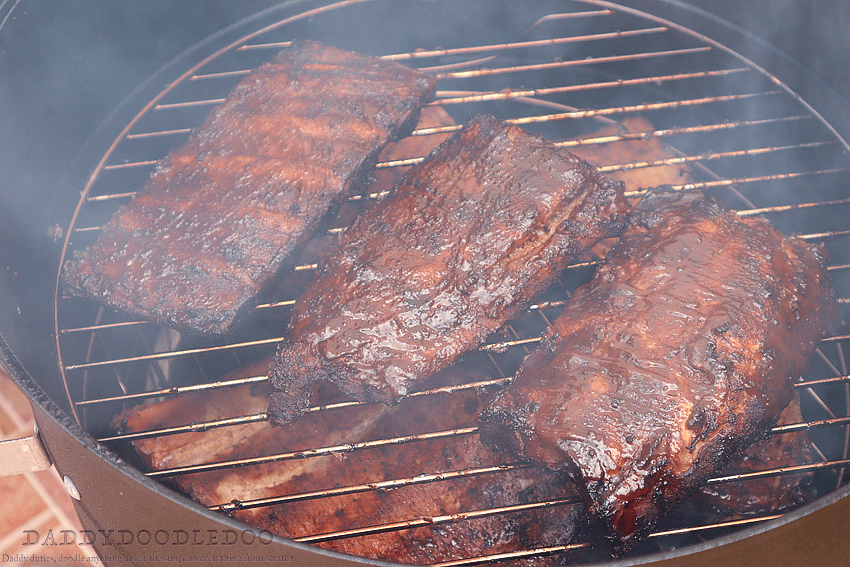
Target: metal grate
[[566, 74]]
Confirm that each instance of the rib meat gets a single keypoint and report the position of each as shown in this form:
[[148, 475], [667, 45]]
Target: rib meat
[[222, 214], [680, 351], [461, 245], [335, 507], [760, 496]]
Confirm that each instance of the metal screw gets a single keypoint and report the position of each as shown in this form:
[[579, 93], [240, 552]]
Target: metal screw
[[71, 488]]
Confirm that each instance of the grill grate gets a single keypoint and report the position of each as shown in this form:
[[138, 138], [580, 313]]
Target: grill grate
[[743, 135]]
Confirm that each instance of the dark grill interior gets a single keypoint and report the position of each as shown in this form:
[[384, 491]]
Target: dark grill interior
[[566, 71]]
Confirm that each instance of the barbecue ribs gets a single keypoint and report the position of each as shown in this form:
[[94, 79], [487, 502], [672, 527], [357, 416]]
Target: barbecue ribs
[[681, 350], [222, 214], [462, 244], [760, 496], [339, 505]]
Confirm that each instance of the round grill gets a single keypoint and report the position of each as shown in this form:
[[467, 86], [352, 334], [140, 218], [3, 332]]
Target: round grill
[[576, 72]]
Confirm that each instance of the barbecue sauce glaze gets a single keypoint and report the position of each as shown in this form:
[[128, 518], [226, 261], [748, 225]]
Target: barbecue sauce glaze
[[461, 245], [224, 213], [680, 351]]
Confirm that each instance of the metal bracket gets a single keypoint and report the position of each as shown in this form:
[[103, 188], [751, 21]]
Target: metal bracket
[[19, 456]]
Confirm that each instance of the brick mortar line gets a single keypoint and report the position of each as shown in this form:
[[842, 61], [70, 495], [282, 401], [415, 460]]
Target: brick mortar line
[[12, 541]]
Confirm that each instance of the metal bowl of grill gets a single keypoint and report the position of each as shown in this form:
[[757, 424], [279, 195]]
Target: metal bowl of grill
[[727, 107]]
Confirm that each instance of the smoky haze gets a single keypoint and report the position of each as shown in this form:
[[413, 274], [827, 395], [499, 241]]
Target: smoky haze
[[815, 33], [64, 66]]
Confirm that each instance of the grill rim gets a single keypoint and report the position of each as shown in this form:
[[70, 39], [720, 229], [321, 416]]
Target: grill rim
[[9, 362]]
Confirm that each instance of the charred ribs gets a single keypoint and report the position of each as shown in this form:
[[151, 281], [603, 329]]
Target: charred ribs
[[461, 245], [680, 351], [222, 214]]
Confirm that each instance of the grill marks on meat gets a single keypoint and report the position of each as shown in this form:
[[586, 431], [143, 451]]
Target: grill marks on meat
[[221, 215], [462, 244], [680, 351]]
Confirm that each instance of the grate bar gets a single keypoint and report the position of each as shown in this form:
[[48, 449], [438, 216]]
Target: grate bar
[[104, 326], [756, 179], [796, 206], [189, 104], [426, 54], [312, 452], [809, 425], [368, 487], [460, 97], [285, 303], [643, 107], [230, 74], [128, 194], [571, 63], [173, 354], [836, 339], [823, 381], [671, 132], [207, 425], [144, 135], [194, 427], [434, 520], [175, 391], [823, 235], [709, 156], [350, 447], [275, 44], [593, 113], [797, 469]]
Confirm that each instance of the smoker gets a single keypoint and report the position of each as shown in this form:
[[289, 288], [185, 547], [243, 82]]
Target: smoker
[[752, 126]]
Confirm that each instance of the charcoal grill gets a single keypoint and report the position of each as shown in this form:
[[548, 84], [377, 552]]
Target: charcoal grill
[[562, 69]]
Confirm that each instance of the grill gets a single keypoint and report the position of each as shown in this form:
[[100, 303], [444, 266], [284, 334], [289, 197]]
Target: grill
[[571, 71]]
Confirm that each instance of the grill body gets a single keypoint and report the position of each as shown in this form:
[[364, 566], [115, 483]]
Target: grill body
[[569, 68]]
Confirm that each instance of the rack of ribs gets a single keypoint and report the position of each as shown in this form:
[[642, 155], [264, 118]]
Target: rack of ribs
[[460, 246], [223, 214], [680, 351], [384, 522]]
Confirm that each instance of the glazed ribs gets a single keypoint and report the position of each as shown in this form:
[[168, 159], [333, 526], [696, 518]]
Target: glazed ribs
[[761, 496], [461, 245], [679, 352], [222, 214]]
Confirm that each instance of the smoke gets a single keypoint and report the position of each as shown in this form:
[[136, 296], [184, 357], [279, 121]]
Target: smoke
[[64, 67], [813, 33]]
